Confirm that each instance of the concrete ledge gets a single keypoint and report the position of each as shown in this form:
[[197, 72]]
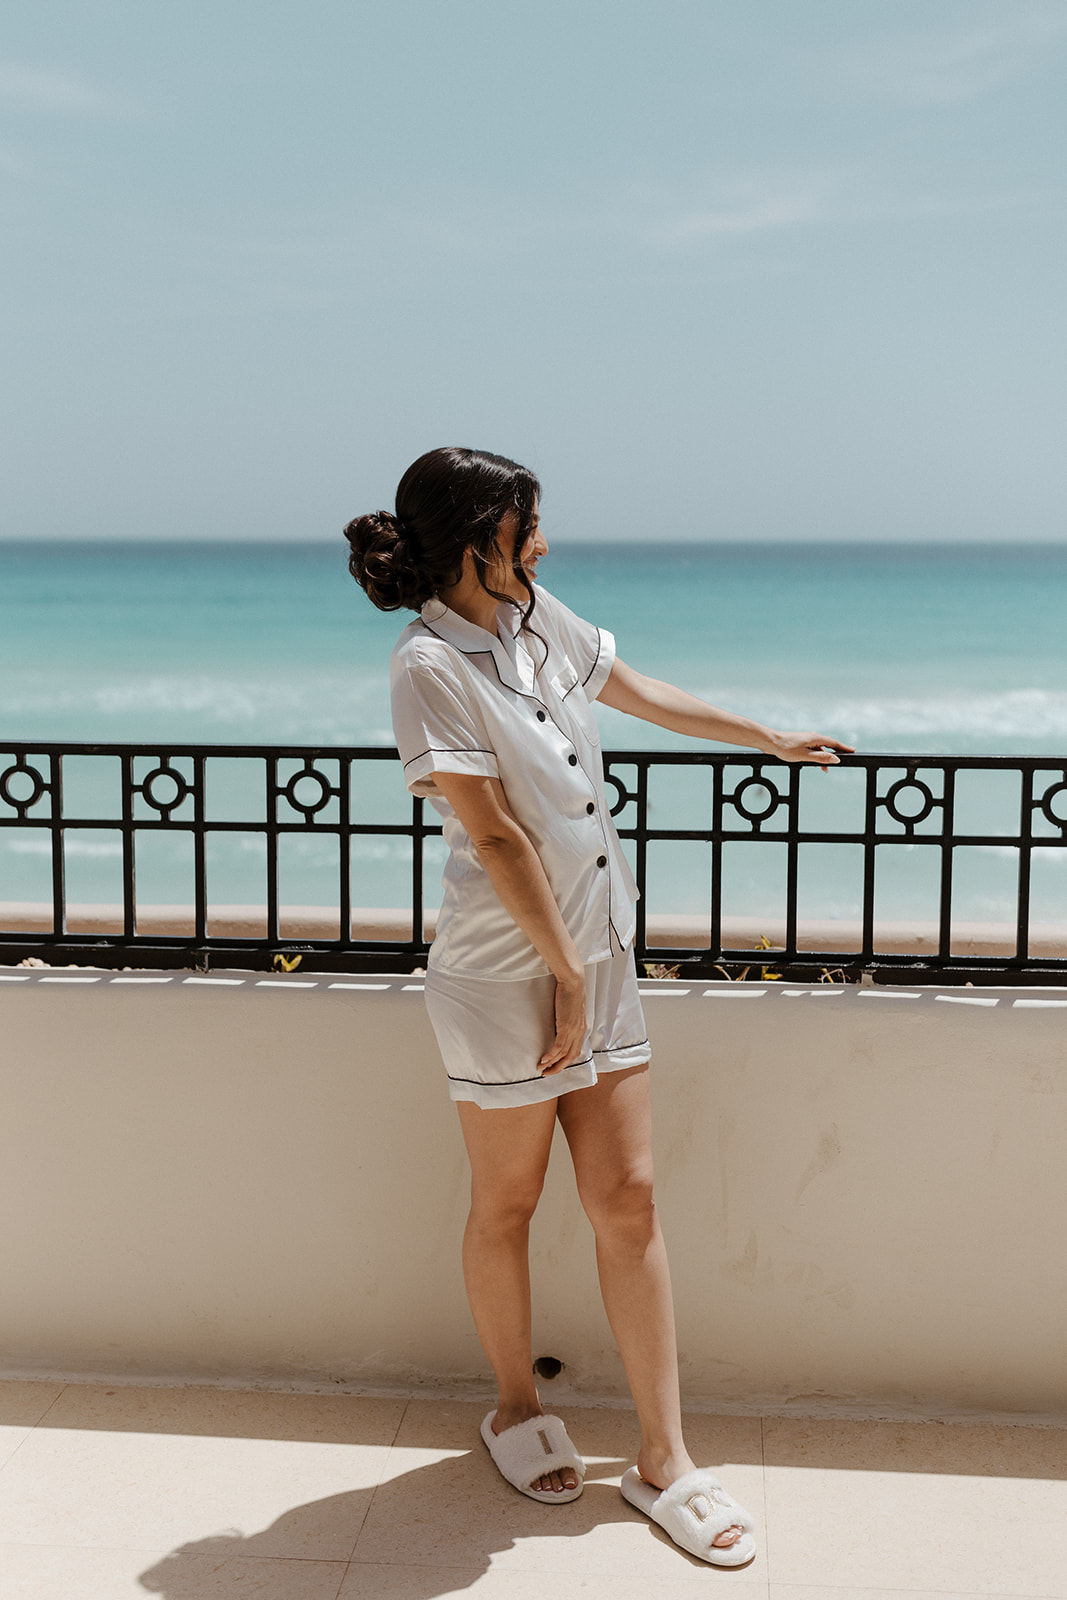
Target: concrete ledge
[[242, 1177]]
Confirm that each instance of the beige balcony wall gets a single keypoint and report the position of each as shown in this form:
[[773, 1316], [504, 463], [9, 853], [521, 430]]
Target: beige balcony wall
[[862, 1193]]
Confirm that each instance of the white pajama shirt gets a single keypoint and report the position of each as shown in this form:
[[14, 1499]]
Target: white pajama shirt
[[516, 706]]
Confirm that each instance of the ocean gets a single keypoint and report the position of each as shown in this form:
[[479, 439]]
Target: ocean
[[937, 649]]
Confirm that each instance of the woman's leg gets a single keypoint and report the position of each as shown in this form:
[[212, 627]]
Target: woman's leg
[[508, 1152], [609, 1131]]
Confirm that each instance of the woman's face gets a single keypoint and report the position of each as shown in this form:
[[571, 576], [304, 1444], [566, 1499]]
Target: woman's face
[[536, 546]]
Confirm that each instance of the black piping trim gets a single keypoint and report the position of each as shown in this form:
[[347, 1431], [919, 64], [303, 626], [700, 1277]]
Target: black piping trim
[[538, 1077], [613, 1048], [526, 695], [448, 750], [524, 692], [599, 653], [452, 646], [577, 680], [491, 652]]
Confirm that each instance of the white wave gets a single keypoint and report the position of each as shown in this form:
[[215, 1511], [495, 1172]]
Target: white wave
[[1017, 713], [71, 847], [1008, 852], [216, 698]]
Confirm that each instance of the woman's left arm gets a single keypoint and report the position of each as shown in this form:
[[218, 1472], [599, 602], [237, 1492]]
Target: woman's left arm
[[668, 707]]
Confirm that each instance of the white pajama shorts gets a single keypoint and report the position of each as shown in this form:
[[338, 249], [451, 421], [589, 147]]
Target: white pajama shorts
[[493, 1032]]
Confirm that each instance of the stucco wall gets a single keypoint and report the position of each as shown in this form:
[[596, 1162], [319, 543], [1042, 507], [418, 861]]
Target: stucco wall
[[263, 1179]]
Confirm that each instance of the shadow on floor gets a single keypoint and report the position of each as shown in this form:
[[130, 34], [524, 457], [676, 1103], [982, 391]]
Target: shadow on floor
[[448, 1515]]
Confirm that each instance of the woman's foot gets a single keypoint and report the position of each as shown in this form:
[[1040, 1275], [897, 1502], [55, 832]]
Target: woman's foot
[[551, 1482], [661, 1470]]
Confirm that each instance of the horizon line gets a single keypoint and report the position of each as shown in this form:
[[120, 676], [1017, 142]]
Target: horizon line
[[562, 542]]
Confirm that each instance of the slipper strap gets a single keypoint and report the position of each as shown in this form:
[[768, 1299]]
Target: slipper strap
[[696, 1509], [532, 1449], [549, 1448]]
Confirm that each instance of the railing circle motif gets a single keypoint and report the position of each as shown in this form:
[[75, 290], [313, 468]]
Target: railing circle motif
[[908, 819], [37, 787], [1047, 806], [157, 801], [308, 807], [747, 811], [621, 790]]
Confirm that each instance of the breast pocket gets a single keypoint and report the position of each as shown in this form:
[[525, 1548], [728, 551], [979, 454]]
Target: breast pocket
[[565, 680], [567, 685]]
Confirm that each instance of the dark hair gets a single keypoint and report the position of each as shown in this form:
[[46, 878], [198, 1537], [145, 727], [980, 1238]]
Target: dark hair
[[448, 501]]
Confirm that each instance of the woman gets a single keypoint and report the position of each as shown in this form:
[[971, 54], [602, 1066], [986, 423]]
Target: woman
[[530, 984]]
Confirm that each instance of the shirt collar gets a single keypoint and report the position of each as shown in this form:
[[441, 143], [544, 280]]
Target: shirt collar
[[513, 662]]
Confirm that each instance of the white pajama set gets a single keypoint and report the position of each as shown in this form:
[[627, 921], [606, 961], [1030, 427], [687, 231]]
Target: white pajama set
[[515, 706]]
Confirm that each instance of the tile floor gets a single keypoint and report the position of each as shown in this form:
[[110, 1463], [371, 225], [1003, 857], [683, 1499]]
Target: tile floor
[[110, 1492]]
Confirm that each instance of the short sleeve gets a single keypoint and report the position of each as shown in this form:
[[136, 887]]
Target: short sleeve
[[591, 649], [437, 727]]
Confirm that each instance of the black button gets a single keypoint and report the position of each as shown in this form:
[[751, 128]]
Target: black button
[[540, 716], [573, 760], [590, 808], [601, 861]]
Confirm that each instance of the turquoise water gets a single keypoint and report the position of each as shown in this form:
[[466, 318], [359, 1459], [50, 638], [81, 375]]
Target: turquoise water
[[945, 649]]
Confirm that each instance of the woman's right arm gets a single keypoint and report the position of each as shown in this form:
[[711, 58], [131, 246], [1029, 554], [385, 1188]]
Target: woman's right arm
[[518, 876]]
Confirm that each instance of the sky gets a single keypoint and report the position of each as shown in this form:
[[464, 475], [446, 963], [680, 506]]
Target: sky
[[715, 269]]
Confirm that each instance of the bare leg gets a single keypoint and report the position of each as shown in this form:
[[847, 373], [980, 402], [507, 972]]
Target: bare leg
[[508, 1152], [608, 1128]]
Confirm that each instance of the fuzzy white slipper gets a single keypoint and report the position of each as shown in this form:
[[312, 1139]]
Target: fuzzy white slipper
[[529, 1450], [694, 1511]]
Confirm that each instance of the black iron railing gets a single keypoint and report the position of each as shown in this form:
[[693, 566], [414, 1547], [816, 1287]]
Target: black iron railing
[[708, 803]]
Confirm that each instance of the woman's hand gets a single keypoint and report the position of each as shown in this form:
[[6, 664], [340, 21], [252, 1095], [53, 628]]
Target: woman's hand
[[805, 747], [571, 1025]]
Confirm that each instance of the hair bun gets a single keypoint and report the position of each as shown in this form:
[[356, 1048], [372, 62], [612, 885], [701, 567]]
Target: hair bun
[[381, 562]]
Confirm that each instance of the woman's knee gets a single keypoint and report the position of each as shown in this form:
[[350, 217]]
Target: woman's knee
[[505, 1208], [622, 1208]]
